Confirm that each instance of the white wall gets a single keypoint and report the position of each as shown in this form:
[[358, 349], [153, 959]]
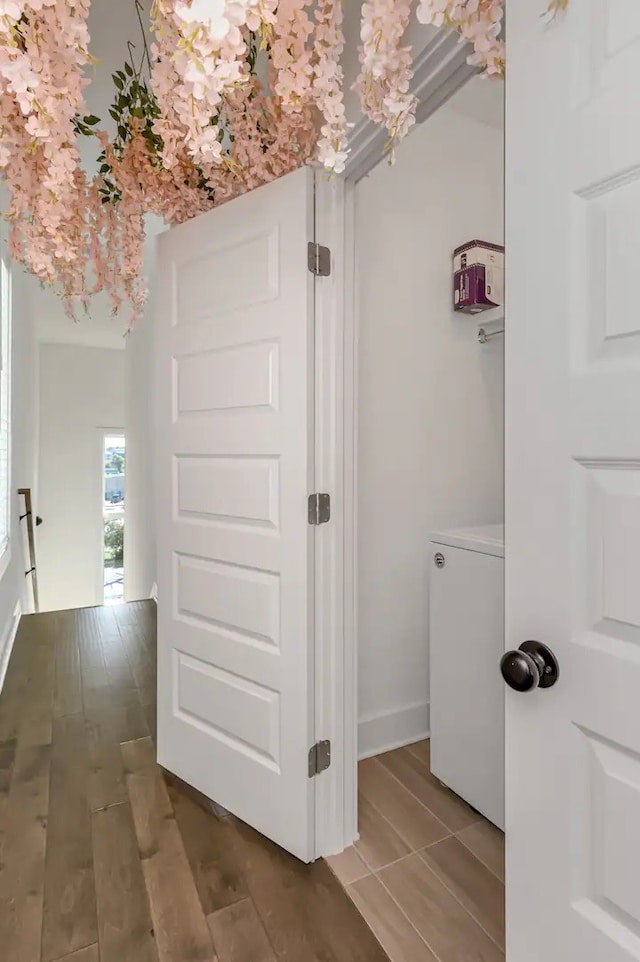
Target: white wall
[[38, 312], [140, 520], [430, 400], [82, 389], [14, 587]]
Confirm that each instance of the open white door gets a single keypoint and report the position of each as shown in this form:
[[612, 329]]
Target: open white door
[[235, 463], [573, 479]]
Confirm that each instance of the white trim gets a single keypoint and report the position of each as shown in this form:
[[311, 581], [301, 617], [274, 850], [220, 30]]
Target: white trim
[[329, 586], [7, 642], [350, 541], [153, 594], [439, 71], [393, 729], [350, 526]]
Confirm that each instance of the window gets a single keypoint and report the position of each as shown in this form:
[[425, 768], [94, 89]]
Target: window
[[113, 460], [5, 401]]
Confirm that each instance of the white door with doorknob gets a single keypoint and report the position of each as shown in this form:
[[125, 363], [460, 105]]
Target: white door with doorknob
[[573, 482]]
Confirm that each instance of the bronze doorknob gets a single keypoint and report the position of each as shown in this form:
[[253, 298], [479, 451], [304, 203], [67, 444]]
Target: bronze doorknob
[[532, 666]]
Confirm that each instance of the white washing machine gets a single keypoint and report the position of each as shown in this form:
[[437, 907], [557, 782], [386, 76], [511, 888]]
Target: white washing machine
[[466, 644]]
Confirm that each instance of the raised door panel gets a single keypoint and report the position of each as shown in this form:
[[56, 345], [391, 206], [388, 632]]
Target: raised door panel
[[573, 492]]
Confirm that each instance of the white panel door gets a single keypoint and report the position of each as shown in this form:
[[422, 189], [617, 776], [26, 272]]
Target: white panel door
[[573, 479], [235, 461]]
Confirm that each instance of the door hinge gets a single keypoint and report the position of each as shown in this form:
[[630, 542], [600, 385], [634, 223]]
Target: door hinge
[[319, 758], [318, 259], [319, 508]]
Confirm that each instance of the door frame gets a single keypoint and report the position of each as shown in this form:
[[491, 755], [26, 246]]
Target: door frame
[[439, 71]]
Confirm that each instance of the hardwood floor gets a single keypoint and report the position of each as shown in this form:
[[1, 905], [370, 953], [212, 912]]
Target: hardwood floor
[[428, 871], [103, 858]]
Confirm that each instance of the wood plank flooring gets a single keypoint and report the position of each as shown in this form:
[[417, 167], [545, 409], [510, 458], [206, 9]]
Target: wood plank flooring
[[103, 858], [427, 871]]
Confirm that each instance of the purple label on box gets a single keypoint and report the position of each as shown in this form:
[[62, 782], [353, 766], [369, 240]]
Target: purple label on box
[[470, 290]]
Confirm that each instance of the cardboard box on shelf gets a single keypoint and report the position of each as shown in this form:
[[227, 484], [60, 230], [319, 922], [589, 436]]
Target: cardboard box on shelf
[[478, 272]]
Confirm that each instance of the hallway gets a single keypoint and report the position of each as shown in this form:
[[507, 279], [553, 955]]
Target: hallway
[[104, 859]]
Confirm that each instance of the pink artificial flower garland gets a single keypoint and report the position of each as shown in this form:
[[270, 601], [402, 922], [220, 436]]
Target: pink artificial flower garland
[[306, 63], [196, 63], [290, 54], [44, 47], [478, 22], [385, 75], [213, 132], [327, 85]]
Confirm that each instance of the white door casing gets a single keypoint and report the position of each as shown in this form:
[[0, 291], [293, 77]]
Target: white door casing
[[235, 466], [573, 479]]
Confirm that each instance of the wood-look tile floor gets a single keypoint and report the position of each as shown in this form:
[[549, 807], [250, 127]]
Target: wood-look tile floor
[[427, 871], [105, 859]]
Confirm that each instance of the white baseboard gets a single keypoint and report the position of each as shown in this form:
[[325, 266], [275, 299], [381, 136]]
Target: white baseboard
[[392, 729], [154, 592], [6, 644]]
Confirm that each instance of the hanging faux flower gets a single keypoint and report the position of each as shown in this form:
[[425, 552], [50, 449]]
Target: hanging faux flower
[[200, 53], [328, 83], [305, 55], [385, 75], [290, 53], [479, 22], [194, 125], [44, 48]]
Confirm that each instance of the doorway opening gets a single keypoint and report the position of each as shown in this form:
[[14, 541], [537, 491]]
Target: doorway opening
[[430, 551], [113, 494]]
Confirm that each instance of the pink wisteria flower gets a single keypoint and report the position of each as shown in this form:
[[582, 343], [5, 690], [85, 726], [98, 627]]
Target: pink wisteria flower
[[211, 132], [12, 9], [208, 13], [327, 85], [385, 75], [291, 54], [44, 48], [197, 61], [479, 22]]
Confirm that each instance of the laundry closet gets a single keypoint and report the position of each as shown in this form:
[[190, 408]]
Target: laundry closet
[[430, 416]]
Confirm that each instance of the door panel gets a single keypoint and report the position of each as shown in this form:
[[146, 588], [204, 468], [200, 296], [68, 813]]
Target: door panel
[[235, 462], [573, 480]]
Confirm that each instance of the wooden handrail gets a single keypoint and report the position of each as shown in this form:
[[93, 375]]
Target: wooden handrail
[[28, 517]]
